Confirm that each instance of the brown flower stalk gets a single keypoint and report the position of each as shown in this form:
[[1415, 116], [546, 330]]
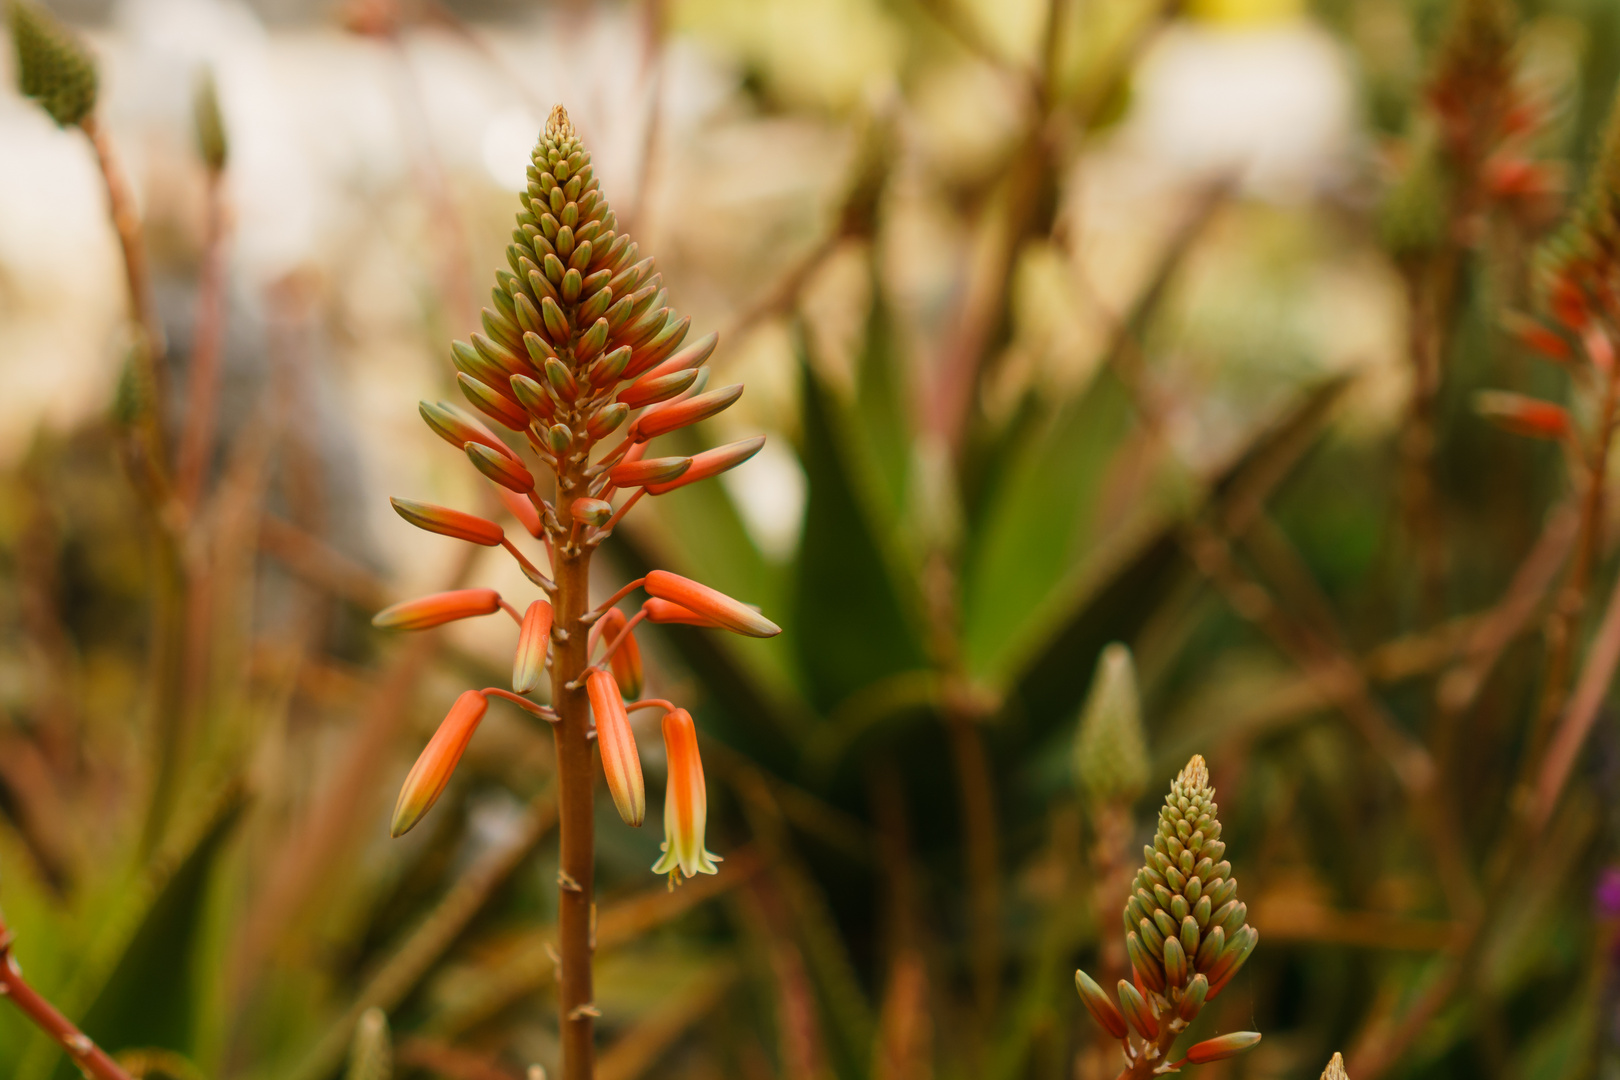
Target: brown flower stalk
[[89, 1057]]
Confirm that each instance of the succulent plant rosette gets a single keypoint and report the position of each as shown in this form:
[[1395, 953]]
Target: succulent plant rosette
[[1185, 934], [582, 359]]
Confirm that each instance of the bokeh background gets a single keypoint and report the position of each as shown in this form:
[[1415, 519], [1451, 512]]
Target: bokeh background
[[1068, 322]]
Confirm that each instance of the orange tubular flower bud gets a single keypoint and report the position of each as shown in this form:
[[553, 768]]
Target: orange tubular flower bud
[[448, 522], [498, 408], [683, 413], [591, 511], [620, 761], [502, 470], [648, 471], [438, 609], [686, 803], [1224, 1047], [432, 770], [1104, 1011], [716, 606], [690, 357], [458, 428], [1537, 338], [533, 636], [519, 507], [1523, 415], [666, 611], [626, 659], [650, 389], [711, 463]]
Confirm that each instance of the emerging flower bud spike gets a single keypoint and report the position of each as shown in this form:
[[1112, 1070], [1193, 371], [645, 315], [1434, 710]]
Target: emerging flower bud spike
[[686, 803], [621, 763], [438, 609], [711, 604], [535, 634], [430, 774], [53, 68]]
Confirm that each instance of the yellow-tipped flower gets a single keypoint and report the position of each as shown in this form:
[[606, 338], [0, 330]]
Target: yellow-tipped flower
[[621, 762], [432, 770], [436, 610], [712, 604], [529, 663], [686, 803]]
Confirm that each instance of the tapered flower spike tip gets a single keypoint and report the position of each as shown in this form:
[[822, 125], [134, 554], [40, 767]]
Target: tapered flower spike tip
[[1110, 752], [53, 67], [1183, 918], [558, 126], [1335, 1068], [371, 1055]]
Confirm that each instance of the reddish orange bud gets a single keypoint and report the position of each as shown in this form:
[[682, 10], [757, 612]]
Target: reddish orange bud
[[1224, 1047], [678, 414], [648, 471], [1538, 338], [711, 463], [650, 389], [430, 774], [1102, 1010], [626, 659], [1523, 415], [1509, 178], [502, 470], [530, 661], [458, 429], [730, 614], [533, 397], [686, 803], [690, 357], [666, 611], [519, 507], [1568, 303], [621, 763], [498, 408], [437, 609], [448, 522], [591, 511]]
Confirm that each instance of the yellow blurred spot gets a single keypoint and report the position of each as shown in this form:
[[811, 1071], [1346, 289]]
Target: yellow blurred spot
[[1245, 11]]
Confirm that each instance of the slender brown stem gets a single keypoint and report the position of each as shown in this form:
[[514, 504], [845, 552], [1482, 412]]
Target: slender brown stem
[[126, 220], [202, 389], [89, 1057], [576, 1005]]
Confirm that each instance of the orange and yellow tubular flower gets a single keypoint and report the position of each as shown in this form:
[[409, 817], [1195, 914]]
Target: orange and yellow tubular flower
[[448, 522], [498, 407], [1523, 415], [530, 661], [667, 611], [501, 469], [725, 612], [651, 389], [648, 471], [621, 763], [662, 419], [430, 774], [591, 511], [686, 803], [626, 659], [711, 463], [436, 610]]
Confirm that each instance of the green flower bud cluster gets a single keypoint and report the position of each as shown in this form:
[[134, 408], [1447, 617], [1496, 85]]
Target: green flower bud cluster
[[1186, 934], [1183, 921], [53, 67], [1110, 751]]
